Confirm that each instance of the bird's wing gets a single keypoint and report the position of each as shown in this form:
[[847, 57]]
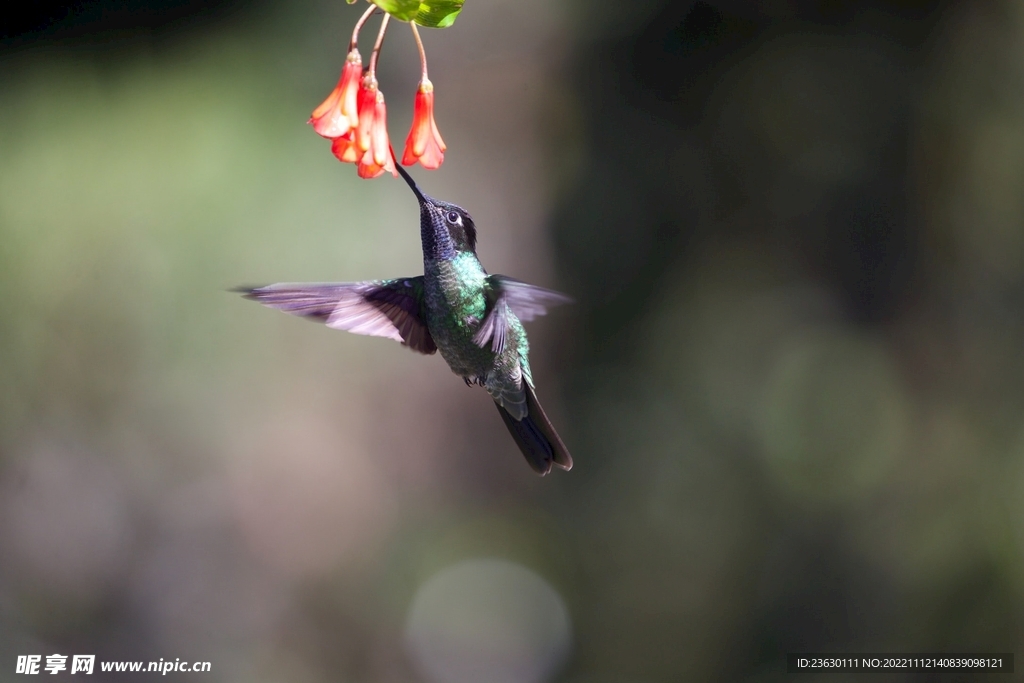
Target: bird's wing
[[379, 308], [505, 294], [494, 328], [526, 301]]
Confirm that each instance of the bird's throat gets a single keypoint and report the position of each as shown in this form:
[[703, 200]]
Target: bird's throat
[[434, 236]]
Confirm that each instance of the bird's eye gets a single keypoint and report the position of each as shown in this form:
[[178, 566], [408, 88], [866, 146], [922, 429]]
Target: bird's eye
[[453, 217]]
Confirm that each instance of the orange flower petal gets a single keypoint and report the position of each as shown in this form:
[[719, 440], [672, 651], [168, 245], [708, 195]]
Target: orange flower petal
[[367, 169], [437, 134], [327, 104], [367, 104], [323, 116], [350, 87], [433, 155], [331, 119], [345, 148], [379, 144], [424, 143], [389, 164]]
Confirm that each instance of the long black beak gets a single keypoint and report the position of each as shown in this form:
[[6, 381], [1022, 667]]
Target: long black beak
[[412, 183]]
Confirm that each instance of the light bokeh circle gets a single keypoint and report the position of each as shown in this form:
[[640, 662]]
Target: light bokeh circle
[[487, 620]]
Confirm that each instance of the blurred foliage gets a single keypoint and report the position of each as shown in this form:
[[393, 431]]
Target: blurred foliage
[[792, 382], [781, 314]]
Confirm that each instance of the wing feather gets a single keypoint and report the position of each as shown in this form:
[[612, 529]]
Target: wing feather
[[383, 308], [527, 301], [507, 295]]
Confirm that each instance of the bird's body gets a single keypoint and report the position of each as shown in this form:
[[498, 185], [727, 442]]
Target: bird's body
[[455, 302], [456, 308]]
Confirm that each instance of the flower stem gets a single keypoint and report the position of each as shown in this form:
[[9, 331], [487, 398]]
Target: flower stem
[[423, 54], [376, 46], [359, 25]]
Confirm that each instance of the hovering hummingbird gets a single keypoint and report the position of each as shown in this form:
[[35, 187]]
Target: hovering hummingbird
[[455, 307]]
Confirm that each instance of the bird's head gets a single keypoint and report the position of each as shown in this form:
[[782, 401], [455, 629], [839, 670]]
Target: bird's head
[[445, 228]]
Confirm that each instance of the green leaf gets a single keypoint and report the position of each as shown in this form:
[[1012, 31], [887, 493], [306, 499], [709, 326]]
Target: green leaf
[[405, 10], [429, 13], [351, 2], [438, 13]]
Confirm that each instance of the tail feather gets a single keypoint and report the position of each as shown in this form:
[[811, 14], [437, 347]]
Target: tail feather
[[535, 436]]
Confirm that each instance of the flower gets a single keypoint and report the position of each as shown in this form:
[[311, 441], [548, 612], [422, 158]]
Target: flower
[[354, 117], [338, 114], [424, 143], [367, 111], [371, 136]]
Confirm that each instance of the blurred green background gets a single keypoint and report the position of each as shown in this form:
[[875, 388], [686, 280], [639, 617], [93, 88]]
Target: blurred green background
[[792, 382]]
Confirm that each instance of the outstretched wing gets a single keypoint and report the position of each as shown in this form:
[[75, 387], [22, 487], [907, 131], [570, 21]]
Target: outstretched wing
[[508, 294], [527, 301], [379, 308]]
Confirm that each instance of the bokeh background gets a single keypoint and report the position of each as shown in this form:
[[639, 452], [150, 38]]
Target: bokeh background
[[793, 381]]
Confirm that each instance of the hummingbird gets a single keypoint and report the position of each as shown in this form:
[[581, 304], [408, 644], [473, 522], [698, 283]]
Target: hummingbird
[[474, 319]]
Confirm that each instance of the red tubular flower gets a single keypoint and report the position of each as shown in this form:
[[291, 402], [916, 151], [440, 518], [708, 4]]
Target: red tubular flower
[[338, 114], [424, 143], [367, 111], [346, 147], [377, 156]]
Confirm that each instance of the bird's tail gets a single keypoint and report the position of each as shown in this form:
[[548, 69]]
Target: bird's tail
[[535, 436]]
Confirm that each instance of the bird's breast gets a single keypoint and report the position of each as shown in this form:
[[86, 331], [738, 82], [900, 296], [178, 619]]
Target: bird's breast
[[456, 306]]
